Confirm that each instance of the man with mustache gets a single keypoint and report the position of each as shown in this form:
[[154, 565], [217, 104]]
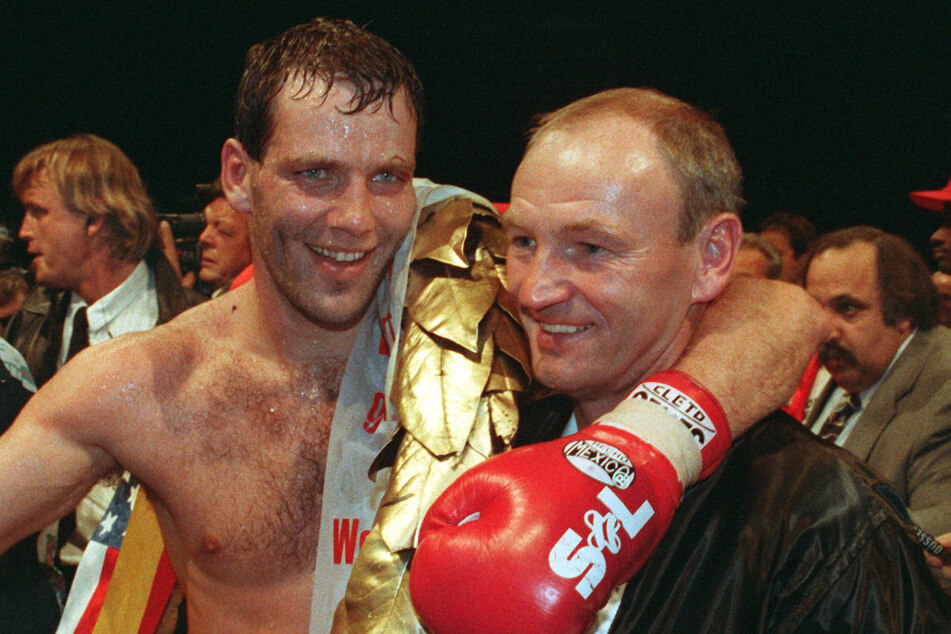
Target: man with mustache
[[890, 365]]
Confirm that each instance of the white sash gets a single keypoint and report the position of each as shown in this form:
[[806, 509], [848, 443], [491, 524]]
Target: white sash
[[361, 427]]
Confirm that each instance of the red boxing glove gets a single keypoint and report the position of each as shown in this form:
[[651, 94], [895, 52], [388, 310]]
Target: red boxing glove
[[534, 540], [696, 408]]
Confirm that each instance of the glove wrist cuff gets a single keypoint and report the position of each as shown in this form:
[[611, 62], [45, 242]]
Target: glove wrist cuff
[[695, 407], [660, 429]]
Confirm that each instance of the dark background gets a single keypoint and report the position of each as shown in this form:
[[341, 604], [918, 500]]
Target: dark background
[[836, 109]]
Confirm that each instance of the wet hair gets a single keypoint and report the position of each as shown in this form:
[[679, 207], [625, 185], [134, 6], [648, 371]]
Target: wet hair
[[320, 51], [693, 144], [798, 230], [904, 280], [94, 178]]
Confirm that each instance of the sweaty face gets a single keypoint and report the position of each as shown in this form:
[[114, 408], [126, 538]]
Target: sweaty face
[[602, 283], [861, 345], [331, 199], [941, 244], [225, 245], [55, 235]]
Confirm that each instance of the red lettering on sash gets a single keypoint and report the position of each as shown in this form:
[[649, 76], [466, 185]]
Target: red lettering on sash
[[345, 539], [376, 414], [386, 325]]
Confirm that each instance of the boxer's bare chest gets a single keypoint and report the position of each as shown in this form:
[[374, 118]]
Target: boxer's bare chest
[[248, 451]]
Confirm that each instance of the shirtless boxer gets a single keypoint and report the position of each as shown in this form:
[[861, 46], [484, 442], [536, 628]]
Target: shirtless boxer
[[224, 414]]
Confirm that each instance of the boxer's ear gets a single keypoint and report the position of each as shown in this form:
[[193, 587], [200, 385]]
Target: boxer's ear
[[717, 242], [235, 168]]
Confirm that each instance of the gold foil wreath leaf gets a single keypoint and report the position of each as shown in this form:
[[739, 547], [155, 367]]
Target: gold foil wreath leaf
[[451, 303], [454, 392], [480, 439], [417, 480], [446, 233], [509, 339], [442, 231], [453, 307], [374, 600], [450, 310], [377, 598], [491, 236], [438, 389], [503, 410]]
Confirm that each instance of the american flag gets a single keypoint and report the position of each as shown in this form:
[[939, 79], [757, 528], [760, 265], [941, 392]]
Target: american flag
[[127, 593]]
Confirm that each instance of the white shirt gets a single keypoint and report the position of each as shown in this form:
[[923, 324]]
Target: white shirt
[[130, 307]]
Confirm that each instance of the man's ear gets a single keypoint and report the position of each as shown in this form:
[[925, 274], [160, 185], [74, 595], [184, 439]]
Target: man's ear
[[904, 325], [235, 165], [718, 241], [94, 225]]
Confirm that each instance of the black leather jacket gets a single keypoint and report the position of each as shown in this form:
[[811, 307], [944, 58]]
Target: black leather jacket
[[27, 602], [37, 329], [788, 535]]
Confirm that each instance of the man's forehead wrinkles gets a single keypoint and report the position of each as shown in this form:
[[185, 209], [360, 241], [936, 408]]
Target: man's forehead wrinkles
[[587, 218], [554, 203]]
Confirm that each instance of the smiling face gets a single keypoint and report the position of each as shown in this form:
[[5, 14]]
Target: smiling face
[[861, 345], [602, 283], [331, 199]]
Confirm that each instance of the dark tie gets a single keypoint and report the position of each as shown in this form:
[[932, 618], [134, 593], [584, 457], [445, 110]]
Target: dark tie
[[835, 423], [67, 525], [80, 337]]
